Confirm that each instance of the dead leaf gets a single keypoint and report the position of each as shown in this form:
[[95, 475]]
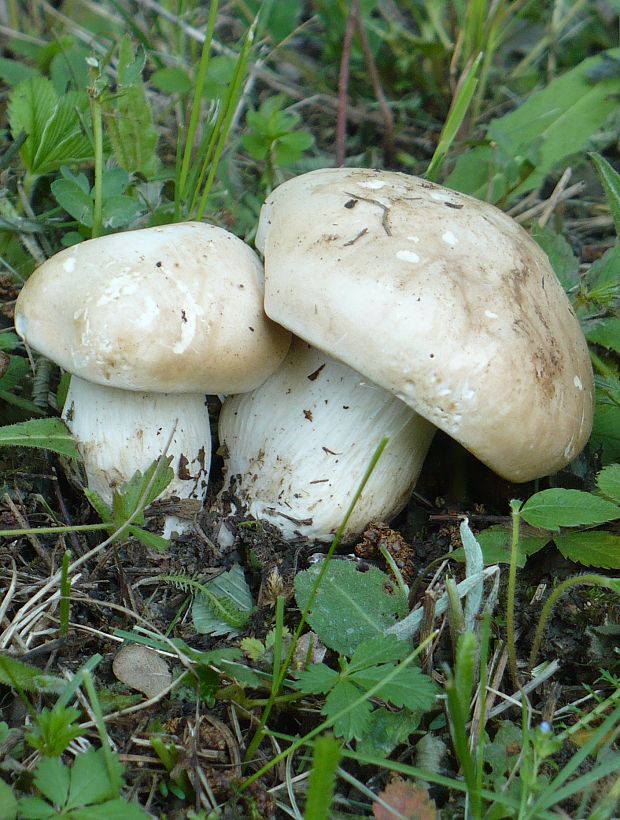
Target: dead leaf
[[142, 669], [411, 801]]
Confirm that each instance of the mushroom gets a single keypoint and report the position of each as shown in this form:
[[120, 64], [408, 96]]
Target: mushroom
[[148, 322], [296, 448], [441, 300]]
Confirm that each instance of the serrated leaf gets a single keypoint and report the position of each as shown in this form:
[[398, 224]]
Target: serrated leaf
[[131, 495], [378, 650], [52, 779], [48, 434], [606, 431], [608, 482], [242, 674], [154, 542], [317, 679], [606, 333], [228, 606], [117, 809], [353, 724], [91, 779], [351, 606], [19, 675], [13, 72], [611, 183], [410, 687], [592, 549], [252, 648], [119, 211], [386, 730], [552, 509], [8, 802], [31, 104], [63, 141], [98, 504]]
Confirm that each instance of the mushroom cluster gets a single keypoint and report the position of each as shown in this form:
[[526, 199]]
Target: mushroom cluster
[[413, 308], [441, 313]]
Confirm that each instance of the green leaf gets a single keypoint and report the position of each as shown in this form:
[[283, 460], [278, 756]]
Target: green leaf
[[9, 340], [31, 105], [563, 260], [608, 482], [78, 204], [606, 333], [592, 549], [117, 809], [325, 759], [387, 730], [13, 72], [130, 497], [410, 687], [150, 539], [354, 722], [374, 651], [63, 141], [98, 504], [611, 183], [91, 779], [317, 679], [495, 544], [606, 431], [350, 606], [22, 676], [8, 802], [557, 121], [119, 211], [52, 779], [552, 509], [34, 808], [129, 118], [49, 434], [115, 182], [171, 81], [54, 729], [227, 606]]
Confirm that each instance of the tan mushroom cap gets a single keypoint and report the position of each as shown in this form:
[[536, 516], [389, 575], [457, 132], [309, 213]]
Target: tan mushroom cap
[[440, 298], [173, 309]]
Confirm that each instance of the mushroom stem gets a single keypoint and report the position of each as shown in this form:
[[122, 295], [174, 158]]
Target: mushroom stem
[[121, 431], [297, 447]]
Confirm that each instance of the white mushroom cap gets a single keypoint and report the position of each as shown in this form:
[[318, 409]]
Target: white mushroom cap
[[439, 298], [173, 309]]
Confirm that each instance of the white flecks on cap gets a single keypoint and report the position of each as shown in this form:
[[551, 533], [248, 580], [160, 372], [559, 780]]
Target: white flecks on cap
[[577, 383], [373, 184], [490, 315], [69, 264], [449, 238], [407, 256]]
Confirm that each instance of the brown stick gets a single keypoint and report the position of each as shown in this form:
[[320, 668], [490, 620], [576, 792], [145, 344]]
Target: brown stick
[[343, 83]]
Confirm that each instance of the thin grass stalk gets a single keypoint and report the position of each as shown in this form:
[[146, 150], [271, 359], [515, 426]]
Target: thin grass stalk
[[458, 109], [64, 608], [221, 131], [515, 507], [97, 125], [196, 108]]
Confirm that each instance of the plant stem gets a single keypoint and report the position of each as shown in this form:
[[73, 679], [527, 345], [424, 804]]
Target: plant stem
[[54, 530], [95, 112], [512, 586]]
